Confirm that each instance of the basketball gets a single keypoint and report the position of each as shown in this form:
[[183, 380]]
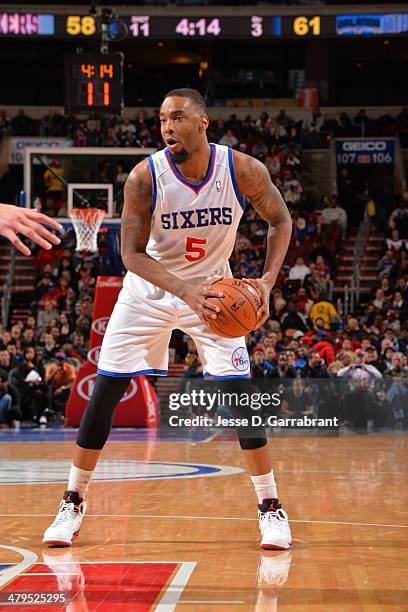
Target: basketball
[[238, 308]]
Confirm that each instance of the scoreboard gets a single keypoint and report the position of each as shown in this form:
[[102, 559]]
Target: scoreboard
[[141, 26]]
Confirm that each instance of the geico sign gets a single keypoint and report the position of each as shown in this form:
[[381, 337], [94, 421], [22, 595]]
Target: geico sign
[[93, 355], [99, 325], [373, 145], [85, 388]]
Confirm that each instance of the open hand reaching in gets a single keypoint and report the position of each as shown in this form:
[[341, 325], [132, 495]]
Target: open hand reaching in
[[30, 223]]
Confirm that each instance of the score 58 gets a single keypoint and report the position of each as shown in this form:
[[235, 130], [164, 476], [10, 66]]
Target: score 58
[[77, 25]]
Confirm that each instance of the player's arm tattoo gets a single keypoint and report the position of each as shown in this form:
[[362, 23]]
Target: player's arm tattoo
[[136, 215], [254, 181], [135, 232]]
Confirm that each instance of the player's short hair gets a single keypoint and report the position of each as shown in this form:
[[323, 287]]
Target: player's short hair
[[192, 94]]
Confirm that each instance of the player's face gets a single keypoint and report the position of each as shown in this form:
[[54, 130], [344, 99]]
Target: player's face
[[182, 127]]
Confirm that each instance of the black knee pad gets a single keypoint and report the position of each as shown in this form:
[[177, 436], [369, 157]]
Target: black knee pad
[[250, 436], [96, 421], [252, 443]]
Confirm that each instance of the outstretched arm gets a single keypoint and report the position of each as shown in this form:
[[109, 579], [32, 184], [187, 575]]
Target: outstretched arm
[[255, 182], [30, 223], [135, 233]]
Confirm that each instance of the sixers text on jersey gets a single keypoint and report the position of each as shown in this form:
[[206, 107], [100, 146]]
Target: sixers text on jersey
[[193, 226], [201, 217]]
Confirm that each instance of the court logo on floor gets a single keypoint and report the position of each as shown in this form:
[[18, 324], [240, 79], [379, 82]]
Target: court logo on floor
[[15, 560], [37, 472], [63, 582]]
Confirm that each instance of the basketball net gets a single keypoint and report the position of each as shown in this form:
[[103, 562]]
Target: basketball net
[[86, 222]]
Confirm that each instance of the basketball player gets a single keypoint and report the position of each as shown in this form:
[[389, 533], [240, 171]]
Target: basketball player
[[181, 213], [28, 222]]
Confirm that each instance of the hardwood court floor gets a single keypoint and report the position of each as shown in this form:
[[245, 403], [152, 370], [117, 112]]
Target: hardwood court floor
[[347, 499]]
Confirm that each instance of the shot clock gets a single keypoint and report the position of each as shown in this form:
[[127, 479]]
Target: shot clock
[[94, 82]]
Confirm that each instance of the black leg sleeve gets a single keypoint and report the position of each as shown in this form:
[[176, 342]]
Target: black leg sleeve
[[96, 421], [251, 436]]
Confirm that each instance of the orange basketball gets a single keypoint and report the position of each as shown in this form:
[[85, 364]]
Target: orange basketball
[[238, 308]]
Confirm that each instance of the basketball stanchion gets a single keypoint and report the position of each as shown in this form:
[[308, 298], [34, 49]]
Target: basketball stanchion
[[86, 222]]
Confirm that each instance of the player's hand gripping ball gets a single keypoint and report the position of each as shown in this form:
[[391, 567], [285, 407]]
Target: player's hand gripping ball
[[239, 308]]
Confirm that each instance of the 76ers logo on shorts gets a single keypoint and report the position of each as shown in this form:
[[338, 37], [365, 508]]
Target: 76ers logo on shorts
[[240, 359]]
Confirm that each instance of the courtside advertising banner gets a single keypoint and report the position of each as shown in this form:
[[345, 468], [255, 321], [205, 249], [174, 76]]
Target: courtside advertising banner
[[139, 405], [17, 146]]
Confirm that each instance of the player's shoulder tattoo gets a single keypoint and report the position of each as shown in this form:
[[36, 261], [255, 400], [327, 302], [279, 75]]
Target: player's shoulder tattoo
[[252, 176], [138, 186], [137, 211], [255, 182]]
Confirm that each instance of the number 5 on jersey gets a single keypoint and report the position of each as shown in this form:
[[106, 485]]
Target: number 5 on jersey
[[193, 251]]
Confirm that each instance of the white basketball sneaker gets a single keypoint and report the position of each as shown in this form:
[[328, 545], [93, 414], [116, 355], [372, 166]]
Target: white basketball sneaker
[[274, 525], [65, 528]]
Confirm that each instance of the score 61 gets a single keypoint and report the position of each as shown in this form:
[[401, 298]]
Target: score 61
[[302, 26]]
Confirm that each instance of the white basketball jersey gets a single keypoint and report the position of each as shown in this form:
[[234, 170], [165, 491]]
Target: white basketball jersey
[[194, 226]]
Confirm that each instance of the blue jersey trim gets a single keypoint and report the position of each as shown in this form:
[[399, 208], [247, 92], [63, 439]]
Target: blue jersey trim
[[226, 377], [154, 184], [181, 178], [234, 179], [139, 373]]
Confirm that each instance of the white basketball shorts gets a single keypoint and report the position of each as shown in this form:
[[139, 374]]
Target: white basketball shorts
[[137, 336]]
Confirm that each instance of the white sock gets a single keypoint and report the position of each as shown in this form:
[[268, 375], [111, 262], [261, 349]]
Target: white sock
[[265, 486], [79, 480]]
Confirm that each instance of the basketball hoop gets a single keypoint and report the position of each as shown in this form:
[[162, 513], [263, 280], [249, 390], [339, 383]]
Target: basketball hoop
[[86, 222]]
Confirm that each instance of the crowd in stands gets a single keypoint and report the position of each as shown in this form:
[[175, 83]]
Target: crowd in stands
[[319, 130], [305, 337], [39, 357], [142, 130]]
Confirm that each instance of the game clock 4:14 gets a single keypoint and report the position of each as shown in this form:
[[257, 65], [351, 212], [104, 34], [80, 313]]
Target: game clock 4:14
[[215, 27], [143, 26], [201, 27], [94, 82]]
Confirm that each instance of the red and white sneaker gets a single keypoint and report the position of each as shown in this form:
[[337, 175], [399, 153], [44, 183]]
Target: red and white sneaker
[[274, 526], [65, 528]]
